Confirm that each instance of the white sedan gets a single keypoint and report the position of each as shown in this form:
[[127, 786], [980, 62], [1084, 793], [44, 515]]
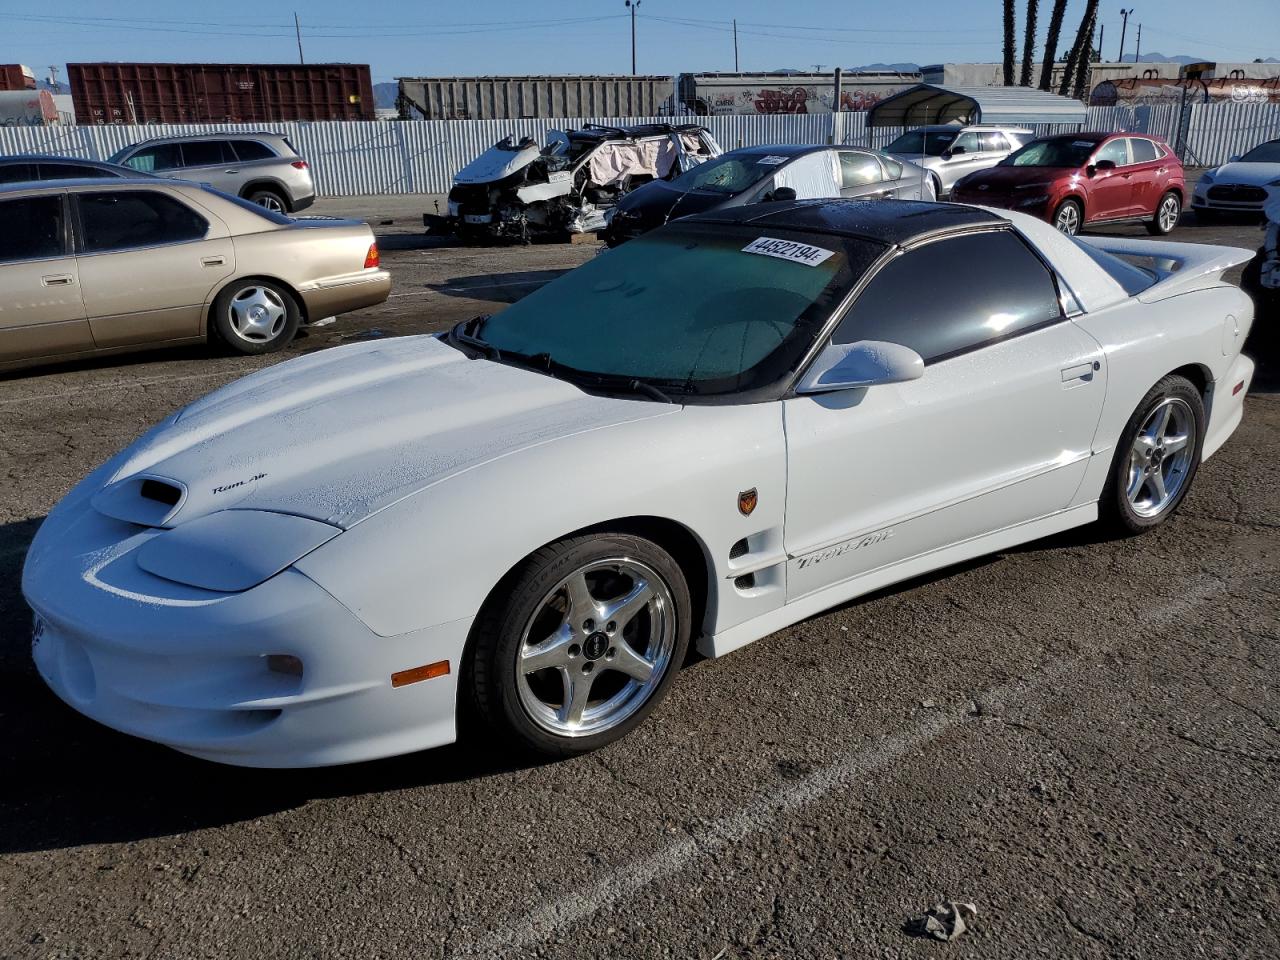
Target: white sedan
[[710, 433], [1240, 186]]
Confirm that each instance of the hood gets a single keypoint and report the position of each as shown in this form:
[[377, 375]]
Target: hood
[[656, 202], [339, 435], [497, 163], [1002, 179], [928, 163], [1252, 174]]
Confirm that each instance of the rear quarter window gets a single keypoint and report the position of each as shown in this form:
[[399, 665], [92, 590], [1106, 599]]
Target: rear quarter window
[[248, 150]]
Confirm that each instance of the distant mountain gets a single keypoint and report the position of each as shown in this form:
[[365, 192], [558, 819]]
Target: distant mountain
[[1176, 58]]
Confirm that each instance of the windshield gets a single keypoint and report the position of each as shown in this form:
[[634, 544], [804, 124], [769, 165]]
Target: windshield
[[1268, 152], [927, 143], [1055, 152], [692, 308], [731, 173]]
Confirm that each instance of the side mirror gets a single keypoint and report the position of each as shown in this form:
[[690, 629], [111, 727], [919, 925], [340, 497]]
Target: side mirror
[[955, 151], [780, 194], [867, 363], [1105, 165], [1233, 158]]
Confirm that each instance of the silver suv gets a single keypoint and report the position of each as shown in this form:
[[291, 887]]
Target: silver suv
[[949, 151], [261, 167]]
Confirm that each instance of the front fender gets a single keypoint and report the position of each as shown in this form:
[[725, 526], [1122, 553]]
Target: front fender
[[435, 556]]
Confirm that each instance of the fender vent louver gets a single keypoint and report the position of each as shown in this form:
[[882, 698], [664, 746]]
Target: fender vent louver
[[164, 493]]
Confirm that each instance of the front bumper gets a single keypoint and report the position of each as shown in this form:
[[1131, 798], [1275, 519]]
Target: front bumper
[[188, 668], [1229, 198]]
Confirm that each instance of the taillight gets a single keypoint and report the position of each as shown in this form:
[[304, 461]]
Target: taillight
[[371, 258], [299, 164]]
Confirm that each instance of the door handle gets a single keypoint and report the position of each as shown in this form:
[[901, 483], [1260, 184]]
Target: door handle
[[213, 261], [1081, 372], [58, 280], [230, 171]]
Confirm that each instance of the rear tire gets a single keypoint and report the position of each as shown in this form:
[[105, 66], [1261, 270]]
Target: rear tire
[[1156, 458], [1168, 210], [560, 665], [254, 316], [1069, 217], [270, 199]]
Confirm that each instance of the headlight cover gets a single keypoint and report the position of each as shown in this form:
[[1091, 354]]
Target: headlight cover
[[232, 550], [1207, 176]]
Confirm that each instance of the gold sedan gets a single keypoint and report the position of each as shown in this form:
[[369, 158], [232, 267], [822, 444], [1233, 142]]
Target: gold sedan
[[93, 267]]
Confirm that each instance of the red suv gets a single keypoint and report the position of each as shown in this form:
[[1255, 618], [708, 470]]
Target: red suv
[[1085, 178]]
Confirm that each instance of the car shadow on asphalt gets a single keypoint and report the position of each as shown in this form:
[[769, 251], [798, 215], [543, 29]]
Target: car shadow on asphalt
[[497, 287], [68, 781]]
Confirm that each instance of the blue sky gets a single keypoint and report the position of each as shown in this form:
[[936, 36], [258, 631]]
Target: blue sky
[[431, 38]]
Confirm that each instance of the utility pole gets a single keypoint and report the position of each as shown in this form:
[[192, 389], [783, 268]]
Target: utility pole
[[297, 30], [633, 6], [1137, 52], [1102, 35], [53, 77], [1124, 29], [735, 45]]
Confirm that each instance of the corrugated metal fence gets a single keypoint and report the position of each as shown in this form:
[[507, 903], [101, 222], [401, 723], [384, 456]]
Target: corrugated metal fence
[[350, 159]]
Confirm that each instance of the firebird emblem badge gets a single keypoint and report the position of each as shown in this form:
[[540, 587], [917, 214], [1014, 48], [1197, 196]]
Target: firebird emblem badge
[[747, 501]]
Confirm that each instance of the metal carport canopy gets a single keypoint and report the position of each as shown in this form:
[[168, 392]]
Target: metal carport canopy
[[925, 103]]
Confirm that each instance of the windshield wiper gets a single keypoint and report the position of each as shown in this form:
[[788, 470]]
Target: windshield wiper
[[640, 386], [465, 333]]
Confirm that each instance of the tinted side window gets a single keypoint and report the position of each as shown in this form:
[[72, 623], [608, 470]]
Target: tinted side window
[[252, 150], [969, 142], [206, 153], [994, 142], [17, 172], [1115, 151], [127, 219], [163, 156], [982, 288], [859, 169], [69, 171], [892, 167], [31, 228], [1143, 150]]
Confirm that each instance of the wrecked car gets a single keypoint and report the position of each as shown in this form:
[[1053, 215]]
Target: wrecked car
[[518, 191]]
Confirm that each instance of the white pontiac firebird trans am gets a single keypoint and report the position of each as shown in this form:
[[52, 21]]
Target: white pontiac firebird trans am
[[717, 430]]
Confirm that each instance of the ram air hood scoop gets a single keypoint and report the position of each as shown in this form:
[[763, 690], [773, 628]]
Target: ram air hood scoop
[[342, 433]]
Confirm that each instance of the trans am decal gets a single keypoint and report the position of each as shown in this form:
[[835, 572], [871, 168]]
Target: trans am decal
[[870, 540]]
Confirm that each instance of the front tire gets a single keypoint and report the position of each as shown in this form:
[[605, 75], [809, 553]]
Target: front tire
[[1168, 210], [580, 643], [1157, 457], [255, 316], [1069, 217]]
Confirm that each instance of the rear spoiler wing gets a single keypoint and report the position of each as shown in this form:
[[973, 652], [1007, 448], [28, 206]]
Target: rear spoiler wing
[[1179, 267]]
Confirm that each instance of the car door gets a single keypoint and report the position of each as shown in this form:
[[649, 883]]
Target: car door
[[161, 158], [965, 157], [1110, 192], [1146, 182], [862, 177], [147, 262], [41, 312], [996, 433], [212, 162], [994, 147]]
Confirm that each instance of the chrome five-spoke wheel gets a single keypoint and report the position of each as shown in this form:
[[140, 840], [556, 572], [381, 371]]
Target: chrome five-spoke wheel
[[596, 647], [1161, 457], [1167, 216]]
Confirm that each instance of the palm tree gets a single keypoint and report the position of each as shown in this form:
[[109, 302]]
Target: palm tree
[[1008, 43], [1051, 43], [1085, 60], [1081, 50], [1029, 43]]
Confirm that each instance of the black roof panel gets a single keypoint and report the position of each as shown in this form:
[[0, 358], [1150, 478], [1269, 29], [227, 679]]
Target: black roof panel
[[885, 221]]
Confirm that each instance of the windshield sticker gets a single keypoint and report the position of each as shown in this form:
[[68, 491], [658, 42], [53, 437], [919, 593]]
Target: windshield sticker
[[1082, 143], [810, 256], [771, 160], [946, 137]]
